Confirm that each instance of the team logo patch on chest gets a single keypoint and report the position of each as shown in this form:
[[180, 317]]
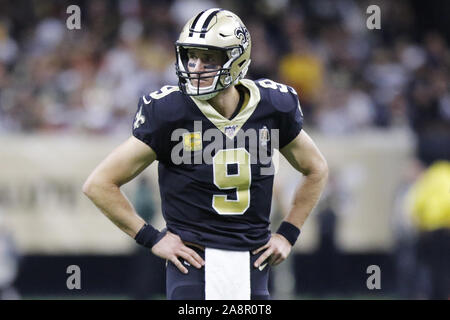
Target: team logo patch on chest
[[192, 141]]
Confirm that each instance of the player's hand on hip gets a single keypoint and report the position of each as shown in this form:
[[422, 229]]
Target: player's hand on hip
[[276, 251], [171, 247]]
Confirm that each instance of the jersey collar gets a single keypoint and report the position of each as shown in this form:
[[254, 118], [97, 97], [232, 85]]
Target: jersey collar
[[239, 120]]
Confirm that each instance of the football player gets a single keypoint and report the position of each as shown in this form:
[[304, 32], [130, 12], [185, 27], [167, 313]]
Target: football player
[[213, 136]]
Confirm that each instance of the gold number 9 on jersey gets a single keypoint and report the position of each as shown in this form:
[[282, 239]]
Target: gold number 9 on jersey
[[240, 181]]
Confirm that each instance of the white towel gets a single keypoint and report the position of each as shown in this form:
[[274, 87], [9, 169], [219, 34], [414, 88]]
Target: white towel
[[227, 274]]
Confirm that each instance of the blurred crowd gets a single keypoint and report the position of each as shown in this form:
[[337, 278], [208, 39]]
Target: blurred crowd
[[53, 79]]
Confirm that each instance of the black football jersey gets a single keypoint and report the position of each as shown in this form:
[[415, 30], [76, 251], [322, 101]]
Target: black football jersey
[[216, 174]]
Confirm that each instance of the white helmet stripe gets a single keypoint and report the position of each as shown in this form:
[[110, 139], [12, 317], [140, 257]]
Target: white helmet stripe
[[207, 22], [201, 21], [194, 23]]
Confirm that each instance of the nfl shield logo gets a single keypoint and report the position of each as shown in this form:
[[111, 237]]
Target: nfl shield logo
[[230, 130]]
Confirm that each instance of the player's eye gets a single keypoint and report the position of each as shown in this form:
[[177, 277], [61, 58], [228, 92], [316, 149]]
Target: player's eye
[[210, 66], [192, 56], [213, 60]]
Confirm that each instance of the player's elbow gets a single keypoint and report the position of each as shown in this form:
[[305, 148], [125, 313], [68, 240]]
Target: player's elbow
[[320, 169], [97, 186], [88, 188], [323, 168], [91, 187]]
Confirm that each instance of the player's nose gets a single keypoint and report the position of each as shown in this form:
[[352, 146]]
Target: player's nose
[[199, 66]]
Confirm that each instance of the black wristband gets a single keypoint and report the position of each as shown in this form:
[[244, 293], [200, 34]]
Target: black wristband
[[149, 236], [289, 231]]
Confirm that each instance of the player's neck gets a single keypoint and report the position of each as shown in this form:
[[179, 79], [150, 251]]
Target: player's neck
[[226, 101]]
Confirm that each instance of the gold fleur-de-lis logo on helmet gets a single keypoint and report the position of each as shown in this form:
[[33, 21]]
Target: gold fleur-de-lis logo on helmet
[[242, 34]]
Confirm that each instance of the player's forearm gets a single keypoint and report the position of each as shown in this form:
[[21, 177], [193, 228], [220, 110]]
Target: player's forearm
[[114, 204], [306, 196]]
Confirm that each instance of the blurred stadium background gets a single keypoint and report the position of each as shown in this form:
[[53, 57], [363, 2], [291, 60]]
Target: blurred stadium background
[[377, 103]]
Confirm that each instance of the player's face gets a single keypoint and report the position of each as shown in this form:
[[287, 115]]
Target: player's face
[[204, 60]]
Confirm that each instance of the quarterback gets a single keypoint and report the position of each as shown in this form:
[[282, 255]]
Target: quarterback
[[213, 136]]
